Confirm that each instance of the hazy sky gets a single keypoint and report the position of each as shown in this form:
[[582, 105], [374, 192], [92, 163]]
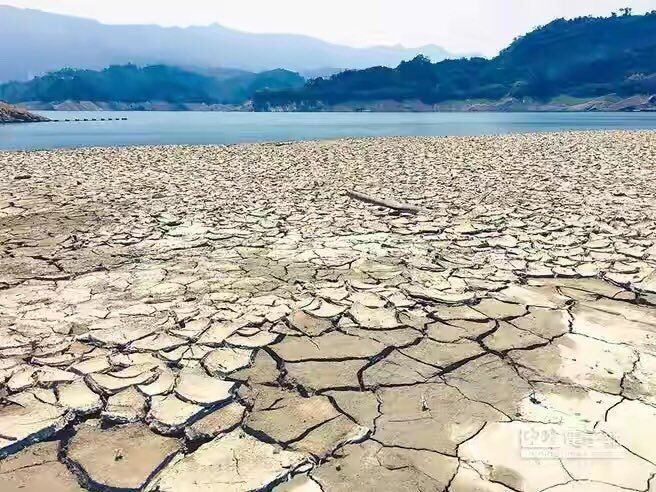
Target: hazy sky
[[482, 26]]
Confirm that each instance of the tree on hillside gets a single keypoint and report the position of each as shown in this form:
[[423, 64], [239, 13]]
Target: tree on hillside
[[626, 11]]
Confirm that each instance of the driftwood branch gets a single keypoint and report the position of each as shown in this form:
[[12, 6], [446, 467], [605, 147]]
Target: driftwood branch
[[401, 207]]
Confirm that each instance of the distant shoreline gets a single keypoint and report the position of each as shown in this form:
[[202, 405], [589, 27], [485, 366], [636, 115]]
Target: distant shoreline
[[611, 103], [195, 128]]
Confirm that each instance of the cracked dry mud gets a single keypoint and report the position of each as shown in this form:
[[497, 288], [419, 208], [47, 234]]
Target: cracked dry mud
[[228, 318]]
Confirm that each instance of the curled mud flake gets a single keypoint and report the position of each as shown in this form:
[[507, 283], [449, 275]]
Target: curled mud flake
[[121, 457], [236, 461]]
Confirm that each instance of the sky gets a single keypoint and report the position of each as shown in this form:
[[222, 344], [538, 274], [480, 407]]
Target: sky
[[461, 26]]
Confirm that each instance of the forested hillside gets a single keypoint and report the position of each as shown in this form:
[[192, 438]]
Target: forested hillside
[[584, 57], [130, 83]]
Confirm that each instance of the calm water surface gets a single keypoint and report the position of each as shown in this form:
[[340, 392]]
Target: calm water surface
[[164, 128]]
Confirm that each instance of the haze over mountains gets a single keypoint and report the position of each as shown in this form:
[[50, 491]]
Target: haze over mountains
[[42, 42]]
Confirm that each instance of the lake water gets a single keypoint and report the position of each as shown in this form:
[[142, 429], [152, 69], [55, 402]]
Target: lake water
[[164, 128]]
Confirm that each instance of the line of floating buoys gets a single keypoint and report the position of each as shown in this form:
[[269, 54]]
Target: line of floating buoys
[[89, 119]]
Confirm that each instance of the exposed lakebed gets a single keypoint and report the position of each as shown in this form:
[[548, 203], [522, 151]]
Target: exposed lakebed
[[231, 318]]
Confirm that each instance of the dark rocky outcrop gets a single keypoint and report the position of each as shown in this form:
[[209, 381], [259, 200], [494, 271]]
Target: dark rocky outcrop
[[12, 114]]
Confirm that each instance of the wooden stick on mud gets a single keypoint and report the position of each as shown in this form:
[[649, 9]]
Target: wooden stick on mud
[[401, 207]]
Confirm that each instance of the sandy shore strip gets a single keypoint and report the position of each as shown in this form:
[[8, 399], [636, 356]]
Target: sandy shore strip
[[237, 318]]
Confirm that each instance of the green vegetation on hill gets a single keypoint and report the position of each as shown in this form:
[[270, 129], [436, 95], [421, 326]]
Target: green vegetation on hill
[[130, 83], [583, 57]]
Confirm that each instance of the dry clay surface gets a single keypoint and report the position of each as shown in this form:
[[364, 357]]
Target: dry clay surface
[[229, 319]]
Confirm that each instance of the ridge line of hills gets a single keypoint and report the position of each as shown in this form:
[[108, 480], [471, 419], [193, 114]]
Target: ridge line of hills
[[583, 63], [49, 42], [133, 87], [588, 63]]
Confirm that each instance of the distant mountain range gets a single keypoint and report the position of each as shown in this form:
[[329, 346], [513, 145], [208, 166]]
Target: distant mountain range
[[588, 63], [582, 59], [37, 42]]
